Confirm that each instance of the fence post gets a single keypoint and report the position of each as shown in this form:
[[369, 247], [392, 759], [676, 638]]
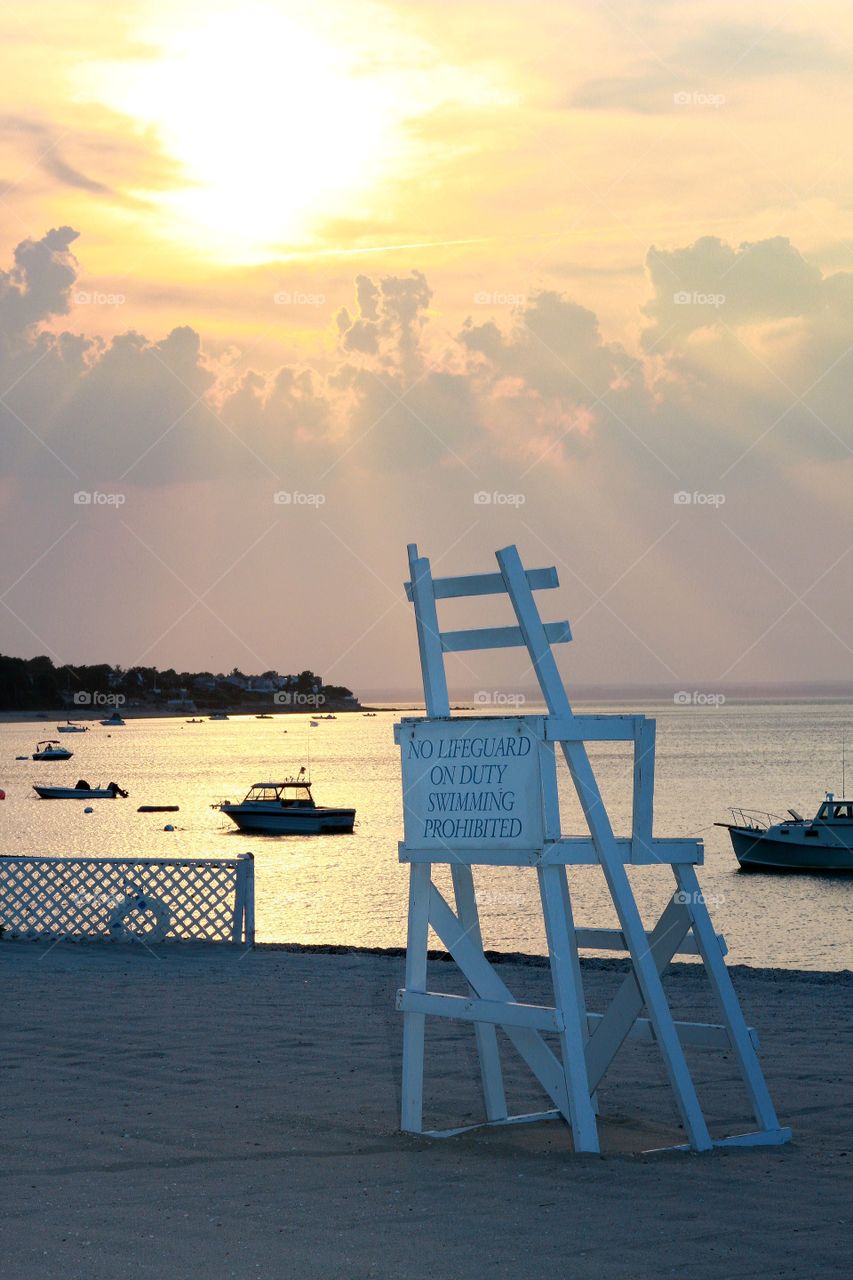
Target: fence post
[[249, 904]]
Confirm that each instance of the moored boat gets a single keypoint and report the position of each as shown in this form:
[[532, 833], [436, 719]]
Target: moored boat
[[71, 726], [82, 791], [286, 808], [114, 721], [51, 750], [768, 842]]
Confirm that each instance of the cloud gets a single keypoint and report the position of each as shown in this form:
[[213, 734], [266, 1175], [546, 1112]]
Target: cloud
[[389, 320], [398, 395], [38, 286], [711, 283], [397, 423], [719, 57], [47, 156]]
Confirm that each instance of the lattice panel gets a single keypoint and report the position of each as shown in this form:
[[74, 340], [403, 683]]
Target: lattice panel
[[109, 899]]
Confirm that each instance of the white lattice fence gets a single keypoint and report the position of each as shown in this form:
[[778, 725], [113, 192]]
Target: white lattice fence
[[128, 899]]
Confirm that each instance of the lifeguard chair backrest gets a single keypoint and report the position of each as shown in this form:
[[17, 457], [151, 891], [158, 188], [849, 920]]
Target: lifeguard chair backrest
[[424, 590]]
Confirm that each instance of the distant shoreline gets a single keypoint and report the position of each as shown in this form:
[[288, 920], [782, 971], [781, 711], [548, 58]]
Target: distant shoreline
[[85, 715]]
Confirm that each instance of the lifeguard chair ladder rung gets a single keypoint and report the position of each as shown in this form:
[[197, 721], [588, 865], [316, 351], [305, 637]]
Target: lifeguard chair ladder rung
[[485, 584], [499, 637]]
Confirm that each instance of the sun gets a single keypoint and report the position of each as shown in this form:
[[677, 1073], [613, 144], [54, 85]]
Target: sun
[[271, 126]]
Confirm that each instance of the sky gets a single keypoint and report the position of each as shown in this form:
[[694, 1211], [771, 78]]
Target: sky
[[285, 288]]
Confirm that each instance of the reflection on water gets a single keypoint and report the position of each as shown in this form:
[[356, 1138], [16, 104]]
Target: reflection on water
[[351, 889]]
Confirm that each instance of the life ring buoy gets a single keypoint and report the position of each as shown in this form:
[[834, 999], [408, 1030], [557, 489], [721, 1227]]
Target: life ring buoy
[[139, 902]]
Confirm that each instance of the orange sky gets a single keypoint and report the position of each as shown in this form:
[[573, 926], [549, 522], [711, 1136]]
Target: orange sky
[[595, 254]]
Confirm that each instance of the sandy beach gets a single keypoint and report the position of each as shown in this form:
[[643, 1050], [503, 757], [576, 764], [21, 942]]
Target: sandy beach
[[202, 1112]]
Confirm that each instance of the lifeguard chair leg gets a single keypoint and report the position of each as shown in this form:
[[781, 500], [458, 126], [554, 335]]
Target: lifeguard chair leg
[[494, 1097], [412, 1099]]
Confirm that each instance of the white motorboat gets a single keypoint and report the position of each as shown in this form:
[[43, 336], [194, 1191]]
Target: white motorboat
[[286, 808], [768, 842], [82, 791], [51, 750], [71, 727], [114, 721], [218, 715]]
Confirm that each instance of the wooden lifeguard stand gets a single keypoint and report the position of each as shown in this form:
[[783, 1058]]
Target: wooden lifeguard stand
[[482, 791]]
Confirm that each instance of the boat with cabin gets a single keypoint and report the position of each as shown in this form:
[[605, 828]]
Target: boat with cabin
[[71, 726], [768, 842], [286, 808], [51, 750], [114, 721], [218, 715]]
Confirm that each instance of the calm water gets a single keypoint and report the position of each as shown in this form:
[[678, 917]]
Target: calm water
[[351, 889]]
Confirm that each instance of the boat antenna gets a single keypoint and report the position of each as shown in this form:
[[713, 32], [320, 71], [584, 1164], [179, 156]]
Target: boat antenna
[[843, 792]]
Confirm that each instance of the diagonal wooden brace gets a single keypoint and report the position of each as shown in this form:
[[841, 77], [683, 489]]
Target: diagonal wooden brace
[[472, 961], [627, 1004]]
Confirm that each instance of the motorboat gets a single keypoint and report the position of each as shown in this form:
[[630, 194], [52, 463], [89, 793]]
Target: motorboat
[[264, 716], [71, 727], [218, 715], [286, 808], [51, 750], [82, 791], [768, 842], [114, 721]]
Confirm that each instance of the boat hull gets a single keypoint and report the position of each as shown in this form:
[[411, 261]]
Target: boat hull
[[756, 851], [291, 822], [53, 755]]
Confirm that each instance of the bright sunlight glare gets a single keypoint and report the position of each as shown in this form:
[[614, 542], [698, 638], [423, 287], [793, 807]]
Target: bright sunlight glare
[[272, 127]]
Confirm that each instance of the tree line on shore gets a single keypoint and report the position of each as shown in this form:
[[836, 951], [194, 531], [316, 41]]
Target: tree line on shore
[[36, 684]]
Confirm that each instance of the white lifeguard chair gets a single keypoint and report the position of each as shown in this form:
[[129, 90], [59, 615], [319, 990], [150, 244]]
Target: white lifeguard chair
[[506, 813]]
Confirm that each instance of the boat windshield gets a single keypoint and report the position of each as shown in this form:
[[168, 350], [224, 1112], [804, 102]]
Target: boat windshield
[[836, 811], [281, 793]]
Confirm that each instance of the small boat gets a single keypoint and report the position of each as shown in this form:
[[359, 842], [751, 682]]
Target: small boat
[[218, 715], [114, 721], [195, 722], [71, 727], [81, 792], [264, 716], [51, 750], [768, 842], [158, 808], [286, 808], [313, 724]]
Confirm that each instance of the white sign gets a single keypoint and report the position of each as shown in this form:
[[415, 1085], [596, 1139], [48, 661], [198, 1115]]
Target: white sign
[[471, 784]]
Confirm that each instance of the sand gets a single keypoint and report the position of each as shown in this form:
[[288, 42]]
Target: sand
[[202, 1113]]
